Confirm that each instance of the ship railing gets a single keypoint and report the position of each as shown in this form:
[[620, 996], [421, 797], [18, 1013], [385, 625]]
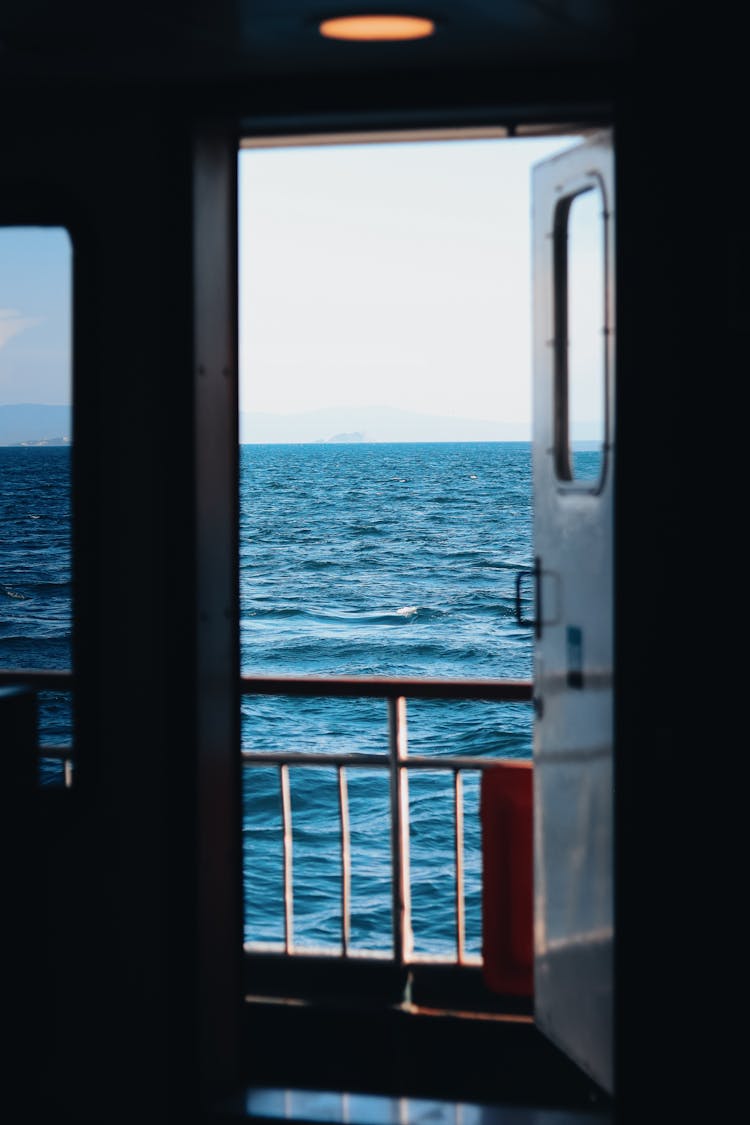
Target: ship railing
[[46, 680], [398, 763]]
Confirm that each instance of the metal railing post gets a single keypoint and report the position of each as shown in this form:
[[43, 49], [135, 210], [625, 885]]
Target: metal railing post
[[346, 862], [286, 828], [458, 805], [397, 741]]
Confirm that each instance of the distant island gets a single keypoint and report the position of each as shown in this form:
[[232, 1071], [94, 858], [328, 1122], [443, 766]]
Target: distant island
[[44, 441], [371, 424], [40, 424], [341, 439], [35, 424]]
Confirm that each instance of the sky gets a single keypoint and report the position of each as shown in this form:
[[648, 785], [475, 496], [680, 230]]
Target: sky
[[35, 315], [389, 274]]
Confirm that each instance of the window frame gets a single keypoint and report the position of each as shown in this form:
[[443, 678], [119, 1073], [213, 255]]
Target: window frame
[[563, 453], [227, 1049]]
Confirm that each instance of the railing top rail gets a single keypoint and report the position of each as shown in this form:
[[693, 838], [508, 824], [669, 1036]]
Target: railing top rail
[[368, 761], [391, 687], [41, 679], [373, 687], [61, 753]]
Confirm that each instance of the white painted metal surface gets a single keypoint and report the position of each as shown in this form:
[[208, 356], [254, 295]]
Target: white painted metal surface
[[573, 739]]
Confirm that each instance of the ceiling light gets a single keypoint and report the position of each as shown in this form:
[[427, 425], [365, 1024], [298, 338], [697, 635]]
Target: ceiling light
[[377, 29]]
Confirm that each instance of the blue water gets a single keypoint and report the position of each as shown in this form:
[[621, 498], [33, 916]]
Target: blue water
[[377, 559], [35, 576], [355, 559]]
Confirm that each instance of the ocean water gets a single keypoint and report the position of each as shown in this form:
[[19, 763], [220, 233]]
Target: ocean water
[[386, 560], [35, 577], [354, 559]]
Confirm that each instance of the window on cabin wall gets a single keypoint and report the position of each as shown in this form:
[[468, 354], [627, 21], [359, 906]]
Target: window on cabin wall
[[35, 472], [581, 380]]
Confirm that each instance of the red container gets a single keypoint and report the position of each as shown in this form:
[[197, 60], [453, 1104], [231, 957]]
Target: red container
[[508, 878]]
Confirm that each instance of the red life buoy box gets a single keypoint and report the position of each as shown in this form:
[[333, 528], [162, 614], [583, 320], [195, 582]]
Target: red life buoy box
[[506, 807]]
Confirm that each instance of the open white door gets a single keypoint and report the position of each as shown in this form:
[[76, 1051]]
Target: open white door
[[573, 230]]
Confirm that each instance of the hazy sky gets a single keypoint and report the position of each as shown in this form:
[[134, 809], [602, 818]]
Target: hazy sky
[[35, 315], [395, 274]]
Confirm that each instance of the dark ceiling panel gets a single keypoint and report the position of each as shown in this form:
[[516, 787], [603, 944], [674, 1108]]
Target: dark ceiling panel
[[246, 38]]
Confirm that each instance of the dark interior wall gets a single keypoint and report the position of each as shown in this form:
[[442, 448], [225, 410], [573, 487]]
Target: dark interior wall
[[118, 1013], [647, 230], [113, 1030]]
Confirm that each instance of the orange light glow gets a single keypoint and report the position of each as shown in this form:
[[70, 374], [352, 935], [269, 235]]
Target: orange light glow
[[377, 29]]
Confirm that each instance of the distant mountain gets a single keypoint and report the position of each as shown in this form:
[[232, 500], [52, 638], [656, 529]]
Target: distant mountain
[[343, 439], [371, 423], [35, 424]]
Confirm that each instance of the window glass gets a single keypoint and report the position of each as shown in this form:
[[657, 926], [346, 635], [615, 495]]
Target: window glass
[[35, 469], [584, 383]]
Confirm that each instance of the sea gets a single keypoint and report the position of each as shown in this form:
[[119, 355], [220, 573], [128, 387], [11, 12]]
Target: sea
[[35, 578], [355, 559]]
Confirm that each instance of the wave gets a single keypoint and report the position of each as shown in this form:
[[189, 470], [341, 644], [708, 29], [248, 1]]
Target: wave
[[404, 615], [274, 613], [477, 606], [497, 564], [320, 564], [366, 529]]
